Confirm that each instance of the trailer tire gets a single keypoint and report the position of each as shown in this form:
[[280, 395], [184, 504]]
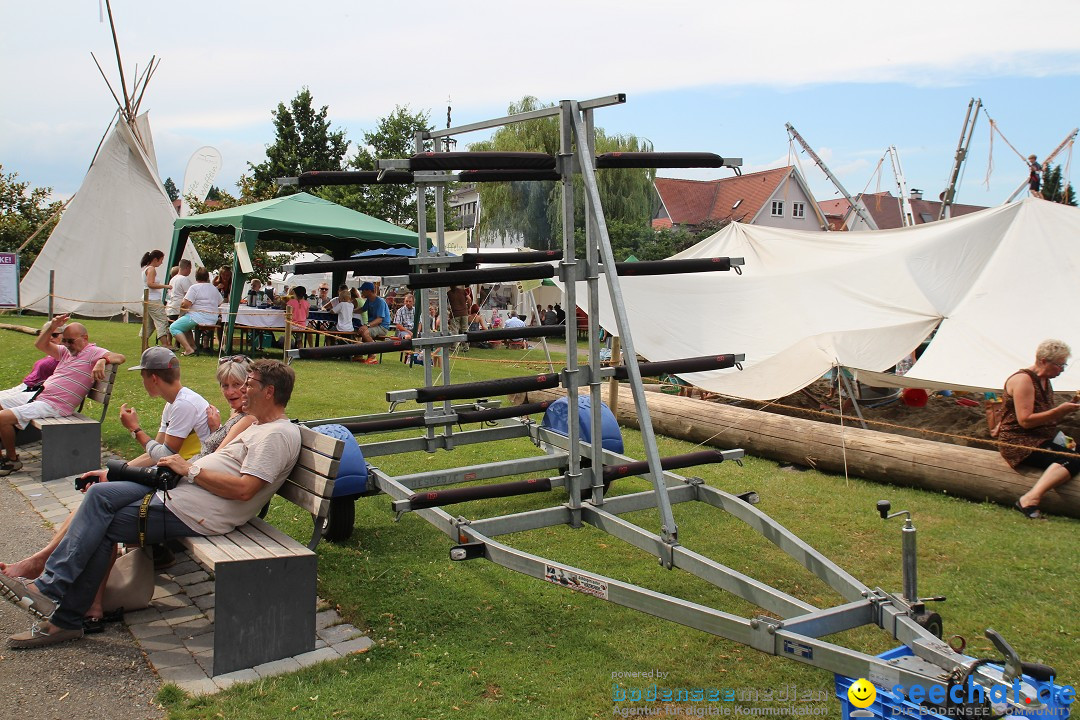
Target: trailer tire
[[339, 523]]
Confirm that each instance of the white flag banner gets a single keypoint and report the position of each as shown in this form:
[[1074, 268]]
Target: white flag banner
[[202, 168]]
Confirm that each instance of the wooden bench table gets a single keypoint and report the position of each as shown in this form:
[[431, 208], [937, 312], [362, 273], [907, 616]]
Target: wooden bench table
[[265, 581]]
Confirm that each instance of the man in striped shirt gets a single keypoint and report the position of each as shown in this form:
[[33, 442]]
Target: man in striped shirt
[[80, 365]]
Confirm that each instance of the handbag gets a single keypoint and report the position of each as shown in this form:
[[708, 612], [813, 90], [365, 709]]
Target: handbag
[[995, 413], [131, 582]]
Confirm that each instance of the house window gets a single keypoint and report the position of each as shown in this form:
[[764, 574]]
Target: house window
[[798, 210], [778, 208]]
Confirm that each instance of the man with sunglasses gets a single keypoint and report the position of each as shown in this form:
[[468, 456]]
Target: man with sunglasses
[[80, 364]]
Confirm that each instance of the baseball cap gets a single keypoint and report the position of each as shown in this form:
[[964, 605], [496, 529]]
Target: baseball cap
[[157, 358], [367, 286]]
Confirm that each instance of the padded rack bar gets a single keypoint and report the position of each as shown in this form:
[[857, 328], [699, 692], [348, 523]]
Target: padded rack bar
[[352, 349], [485, 388], [684, 365], [463, 417], [673, 267], [514, 333], [512, 273], [361, 266], [704, 457], [511, 411], [513, 258], [385, 425], [435, 498], [660, 160], [482, 161]]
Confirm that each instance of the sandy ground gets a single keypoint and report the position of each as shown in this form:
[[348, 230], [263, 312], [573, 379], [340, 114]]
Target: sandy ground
[[100, 676]]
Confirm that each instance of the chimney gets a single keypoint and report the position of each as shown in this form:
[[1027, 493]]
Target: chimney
[[916, 194]]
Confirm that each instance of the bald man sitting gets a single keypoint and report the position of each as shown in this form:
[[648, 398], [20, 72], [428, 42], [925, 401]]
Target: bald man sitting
[[80, 365]]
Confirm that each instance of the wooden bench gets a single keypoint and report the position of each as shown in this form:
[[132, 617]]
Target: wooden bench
[[72, 445], [264, 580]]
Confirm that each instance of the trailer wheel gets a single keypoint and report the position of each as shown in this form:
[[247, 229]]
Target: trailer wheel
[[932, 622], [339, 523]]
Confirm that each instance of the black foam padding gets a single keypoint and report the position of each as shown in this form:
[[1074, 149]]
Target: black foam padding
[[513, 258], [471, 416], [704, 457], [487, 388], [482, 176], [659, 160], [370, 426], [353, 349], [512, 273], [361, 266], [435, 498], [514, 333], [482, 161], [673, 267], [318, 178], [684, 365]]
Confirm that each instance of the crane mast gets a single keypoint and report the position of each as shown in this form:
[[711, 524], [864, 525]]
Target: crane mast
[[906, 213], [835, 180], [966, 131]]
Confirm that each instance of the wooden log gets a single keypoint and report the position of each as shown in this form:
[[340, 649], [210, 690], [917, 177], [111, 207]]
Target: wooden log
[[19, 328], [973, 473]]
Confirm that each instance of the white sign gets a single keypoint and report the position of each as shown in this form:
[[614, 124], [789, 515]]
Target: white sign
[[9, 280], [202, 168]]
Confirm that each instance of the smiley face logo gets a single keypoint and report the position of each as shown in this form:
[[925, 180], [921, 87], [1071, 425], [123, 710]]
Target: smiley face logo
[[862, 693]]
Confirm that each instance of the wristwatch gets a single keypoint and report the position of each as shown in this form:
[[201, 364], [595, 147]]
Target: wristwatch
[[135, 433], [192, 473]]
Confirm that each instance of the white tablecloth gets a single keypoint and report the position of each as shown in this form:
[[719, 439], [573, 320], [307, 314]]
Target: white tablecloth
[[255, 317]]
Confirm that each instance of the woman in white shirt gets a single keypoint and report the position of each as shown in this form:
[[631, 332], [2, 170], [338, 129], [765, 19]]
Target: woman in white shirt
[[201, 307]]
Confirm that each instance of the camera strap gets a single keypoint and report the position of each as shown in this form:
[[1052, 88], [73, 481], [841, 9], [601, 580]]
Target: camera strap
[[144, 514]]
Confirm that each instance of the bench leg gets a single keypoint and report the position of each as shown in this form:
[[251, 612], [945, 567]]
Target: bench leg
[[70, 449], [264, 611]]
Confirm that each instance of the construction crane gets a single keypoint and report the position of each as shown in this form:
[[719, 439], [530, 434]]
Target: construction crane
[[863, 215], [1046, 161], [966, 131], [906, 213]]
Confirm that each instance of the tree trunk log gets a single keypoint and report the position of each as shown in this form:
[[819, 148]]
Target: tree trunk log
[[18, 328], [973, 473]]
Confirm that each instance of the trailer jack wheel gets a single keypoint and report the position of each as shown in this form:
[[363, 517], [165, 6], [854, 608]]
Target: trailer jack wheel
[[931, 621]]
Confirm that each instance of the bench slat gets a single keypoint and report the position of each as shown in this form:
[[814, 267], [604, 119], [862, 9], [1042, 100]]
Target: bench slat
[[309, 482], [320, 443], [312, 503], [225, 544], [267, 542], [205, 552], [274, 534], [318, 463], [249, 546]]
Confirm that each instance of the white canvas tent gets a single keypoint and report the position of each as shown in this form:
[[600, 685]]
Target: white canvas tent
[[998, 282], [120, 212]]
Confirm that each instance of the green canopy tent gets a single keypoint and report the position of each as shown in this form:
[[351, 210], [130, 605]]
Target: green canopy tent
[[300, 219]]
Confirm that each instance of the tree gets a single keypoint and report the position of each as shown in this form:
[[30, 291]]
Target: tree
[[170, 188], [303, 142], [218, 250], [394, 137], [24, 210], [1054, 189], [533, 210]]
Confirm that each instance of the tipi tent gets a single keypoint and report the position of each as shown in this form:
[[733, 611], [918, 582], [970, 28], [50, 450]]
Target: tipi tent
[[120, 212], [994, 283]]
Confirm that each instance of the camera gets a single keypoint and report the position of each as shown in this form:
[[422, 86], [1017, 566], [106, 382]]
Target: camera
[[157, 477]]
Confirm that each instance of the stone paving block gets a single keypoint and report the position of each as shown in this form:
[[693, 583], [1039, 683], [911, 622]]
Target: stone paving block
[[150, 629], [199, 589], [205, 602], [182, 673], [165, 589], [316, 656], [357, 645], [206, 662], [199, 643], [277, 667], [191, 578], [237, 676], [205, 686], [182, 615], [326, 618], [138, 617], [169, 658], [161, 642], [338, 633], [171, 602], [183, 567], [194, 628], [209, 614], [320, 643]]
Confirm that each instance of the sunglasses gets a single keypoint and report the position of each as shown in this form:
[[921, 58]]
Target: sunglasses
[[235, 359], [68, 341], [57, 334]]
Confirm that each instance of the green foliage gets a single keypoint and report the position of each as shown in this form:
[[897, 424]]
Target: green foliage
[[218, 250], [303, 141], [394, 137], [642, 241], [1055, 189], [534, 210], [170, 188], [24, 210]]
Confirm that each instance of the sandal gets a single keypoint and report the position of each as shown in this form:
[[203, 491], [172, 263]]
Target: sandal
[[93, 626], [1031, 512]]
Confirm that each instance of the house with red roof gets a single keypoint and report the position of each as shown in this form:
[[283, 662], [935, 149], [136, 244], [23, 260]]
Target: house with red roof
[[774, 198], [884, 209]]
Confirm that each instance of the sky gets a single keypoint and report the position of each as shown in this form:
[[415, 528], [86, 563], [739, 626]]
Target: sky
[[699, 75]]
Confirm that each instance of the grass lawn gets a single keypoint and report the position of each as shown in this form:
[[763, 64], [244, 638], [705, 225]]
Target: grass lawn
[[472, 640]]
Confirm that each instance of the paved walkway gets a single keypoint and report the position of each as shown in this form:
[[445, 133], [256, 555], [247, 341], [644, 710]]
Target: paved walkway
[[176, 633]]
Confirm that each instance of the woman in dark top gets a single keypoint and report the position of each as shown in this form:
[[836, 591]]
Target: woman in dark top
[[1029, 425]]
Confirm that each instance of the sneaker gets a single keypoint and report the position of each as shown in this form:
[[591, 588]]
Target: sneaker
[[39, 636], [9, 466], [20, 592], [371, 361]]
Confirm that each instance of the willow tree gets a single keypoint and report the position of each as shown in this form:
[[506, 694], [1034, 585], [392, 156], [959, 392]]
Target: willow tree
[[533, 210]]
